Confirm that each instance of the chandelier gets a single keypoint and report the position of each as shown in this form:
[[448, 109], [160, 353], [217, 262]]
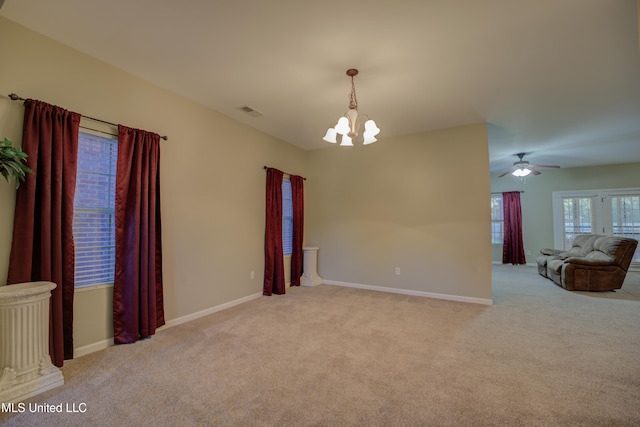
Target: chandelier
[[349, 124]]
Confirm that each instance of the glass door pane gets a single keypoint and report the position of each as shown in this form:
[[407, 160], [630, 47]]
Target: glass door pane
[[578, 218], [625, 212]]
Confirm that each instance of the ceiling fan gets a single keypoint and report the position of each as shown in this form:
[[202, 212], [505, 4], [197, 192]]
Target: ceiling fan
[[522, 168]]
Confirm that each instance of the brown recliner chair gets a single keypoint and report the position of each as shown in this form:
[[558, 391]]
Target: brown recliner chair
[[594, 263]]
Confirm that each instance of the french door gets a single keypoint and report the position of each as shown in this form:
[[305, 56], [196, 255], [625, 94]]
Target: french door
[[611, 212]]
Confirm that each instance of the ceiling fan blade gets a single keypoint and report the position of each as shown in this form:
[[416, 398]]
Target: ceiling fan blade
[[505, 173], [535, 172], [543, 166]]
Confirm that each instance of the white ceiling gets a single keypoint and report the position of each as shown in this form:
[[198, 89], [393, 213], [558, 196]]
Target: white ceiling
[[559, 79]]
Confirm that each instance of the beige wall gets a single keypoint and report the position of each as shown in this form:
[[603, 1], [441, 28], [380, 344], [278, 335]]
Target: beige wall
[[537, 213], [212, 174], [404, 203], [398, 203]]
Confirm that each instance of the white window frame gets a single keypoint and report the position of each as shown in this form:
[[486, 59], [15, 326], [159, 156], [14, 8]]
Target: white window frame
[[497, 221], [601, 206]]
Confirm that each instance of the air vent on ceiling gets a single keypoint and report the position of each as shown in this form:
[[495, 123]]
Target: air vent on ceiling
[[250, 111]]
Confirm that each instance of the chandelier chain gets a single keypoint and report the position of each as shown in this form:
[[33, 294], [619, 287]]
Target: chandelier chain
[[353, 101]]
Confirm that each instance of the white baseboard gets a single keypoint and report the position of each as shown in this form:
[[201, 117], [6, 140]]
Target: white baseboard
[[529, 264], [96, 346], [84, 350], [411, 292], [208, 311]]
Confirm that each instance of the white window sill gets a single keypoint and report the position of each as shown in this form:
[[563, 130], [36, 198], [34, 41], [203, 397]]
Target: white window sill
[[93, 287]]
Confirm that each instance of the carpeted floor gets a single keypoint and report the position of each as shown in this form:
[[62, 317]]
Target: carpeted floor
[[333, 356]]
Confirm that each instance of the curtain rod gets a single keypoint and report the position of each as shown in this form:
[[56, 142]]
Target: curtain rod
[[286, 173], [15, 97], [500, 192]]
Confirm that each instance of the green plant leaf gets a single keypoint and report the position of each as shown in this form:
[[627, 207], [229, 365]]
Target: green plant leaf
[[12, 162]]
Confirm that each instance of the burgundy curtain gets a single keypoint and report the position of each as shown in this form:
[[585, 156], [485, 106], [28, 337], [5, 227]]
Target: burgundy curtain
[[273, 256], [42, 247], [138, 307], [513, 247], [297, 201]]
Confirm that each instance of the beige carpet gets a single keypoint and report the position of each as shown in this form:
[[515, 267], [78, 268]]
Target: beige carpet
[[332, 356]]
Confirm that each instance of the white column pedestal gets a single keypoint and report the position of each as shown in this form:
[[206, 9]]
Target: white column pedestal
[[25, 364], [310, 267]]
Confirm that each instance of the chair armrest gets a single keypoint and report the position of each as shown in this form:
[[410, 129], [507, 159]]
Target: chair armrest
[[584, 261], [548, 251]]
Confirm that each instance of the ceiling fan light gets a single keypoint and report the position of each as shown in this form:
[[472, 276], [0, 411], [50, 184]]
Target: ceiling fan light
[[521, 172], [523, 168], [330, 136]]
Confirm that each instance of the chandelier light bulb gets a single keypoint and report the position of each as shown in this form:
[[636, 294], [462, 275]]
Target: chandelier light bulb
[[330, 136], [368, 139], [370, 131], [343, 127], [350, 123], [346, 141]]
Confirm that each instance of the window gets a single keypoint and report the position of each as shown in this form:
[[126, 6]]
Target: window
[[625, 221], [578, 218], [94, 210], [612, 212], [287, 217], [497, 220]]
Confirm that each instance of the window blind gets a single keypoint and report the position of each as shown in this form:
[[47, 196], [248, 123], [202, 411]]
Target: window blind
[[287, 217], [94, 210]]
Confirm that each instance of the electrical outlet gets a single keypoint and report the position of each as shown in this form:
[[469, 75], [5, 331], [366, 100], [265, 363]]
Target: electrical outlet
[[397, 271], [252, 275]]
